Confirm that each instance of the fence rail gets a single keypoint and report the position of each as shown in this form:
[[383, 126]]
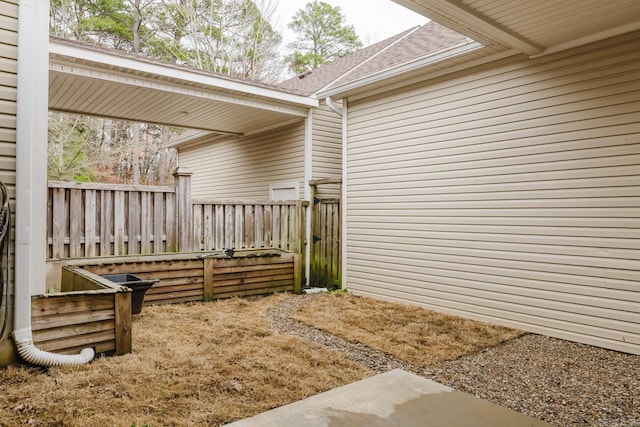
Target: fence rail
[[249, 224]]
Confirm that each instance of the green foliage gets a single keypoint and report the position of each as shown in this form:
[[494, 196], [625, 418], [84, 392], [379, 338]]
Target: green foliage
[[70, 153], [83, 177], [323, 36]]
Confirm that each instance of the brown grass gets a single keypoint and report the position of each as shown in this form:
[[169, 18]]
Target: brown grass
[[418, 336], [213, 363], [200, 364]]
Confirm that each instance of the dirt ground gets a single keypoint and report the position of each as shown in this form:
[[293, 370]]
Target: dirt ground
[[213, 363]]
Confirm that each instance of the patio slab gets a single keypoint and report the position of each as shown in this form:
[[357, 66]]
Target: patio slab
[[395, 398]]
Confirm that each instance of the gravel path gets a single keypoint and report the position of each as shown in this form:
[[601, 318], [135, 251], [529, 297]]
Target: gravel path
[[564, 383]]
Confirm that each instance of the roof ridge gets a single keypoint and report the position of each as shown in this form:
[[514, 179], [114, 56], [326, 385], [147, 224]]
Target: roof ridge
[[368, 59]]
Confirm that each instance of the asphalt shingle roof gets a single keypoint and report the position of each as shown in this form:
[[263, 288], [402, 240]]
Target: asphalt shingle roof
[[402, 48]]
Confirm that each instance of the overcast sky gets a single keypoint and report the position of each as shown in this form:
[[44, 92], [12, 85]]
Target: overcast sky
[[374, 20]]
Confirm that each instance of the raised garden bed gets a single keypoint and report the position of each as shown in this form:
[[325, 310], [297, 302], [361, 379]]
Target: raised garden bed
[[204, 276], [88, 311], [92, 311]]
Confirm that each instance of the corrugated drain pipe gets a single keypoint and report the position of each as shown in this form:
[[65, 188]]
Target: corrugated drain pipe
[[31, 180], [30, 353]]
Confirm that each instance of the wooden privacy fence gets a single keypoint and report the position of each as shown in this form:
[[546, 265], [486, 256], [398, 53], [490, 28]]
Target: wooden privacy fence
[[249, 224], [87, 220]]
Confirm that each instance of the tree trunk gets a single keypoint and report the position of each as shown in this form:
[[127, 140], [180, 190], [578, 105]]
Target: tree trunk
[[135, 153], [163, 157]]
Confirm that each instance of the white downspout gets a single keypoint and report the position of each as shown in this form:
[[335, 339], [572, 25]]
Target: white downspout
[[308, 176], [335, 108], [343, 194], [31, 179]]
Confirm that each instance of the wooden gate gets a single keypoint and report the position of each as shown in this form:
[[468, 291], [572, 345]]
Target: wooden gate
[[325, 262]]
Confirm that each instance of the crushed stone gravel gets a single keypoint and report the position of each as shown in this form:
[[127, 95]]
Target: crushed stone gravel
[[561, 382]]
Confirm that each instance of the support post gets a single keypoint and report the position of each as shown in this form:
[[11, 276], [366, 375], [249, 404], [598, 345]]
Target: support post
[[123, 322], [184, 210], [297, 273], [208, 269]]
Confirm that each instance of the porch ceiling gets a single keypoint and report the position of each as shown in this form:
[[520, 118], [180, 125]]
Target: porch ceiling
[[93, 81], [533, 27]]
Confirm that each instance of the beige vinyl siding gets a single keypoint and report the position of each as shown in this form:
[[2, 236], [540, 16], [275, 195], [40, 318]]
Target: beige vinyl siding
[[327, 148], [508, 193], [8, 98], [243, 168], [8, 91]]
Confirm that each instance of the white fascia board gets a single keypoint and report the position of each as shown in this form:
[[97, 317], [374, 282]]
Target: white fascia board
[[398, 70], [111, 60]]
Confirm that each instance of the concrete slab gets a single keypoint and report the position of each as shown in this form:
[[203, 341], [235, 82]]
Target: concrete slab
[[395, 398]]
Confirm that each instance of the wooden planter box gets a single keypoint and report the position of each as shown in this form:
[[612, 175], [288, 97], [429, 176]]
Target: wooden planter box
[[88, 312], [203, 276], [251, 273]]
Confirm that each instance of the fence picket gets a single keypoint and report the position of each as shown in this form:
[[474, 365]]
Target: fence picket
[[133, 233], [145, 226], [119, 215], [106, 222], [158, 222], [197, 226], [229, 226], [275, 228], [258, 228], [219, 212], [76, 221], [208, 230], [90, 223], [249, 220], [170, 220], [59, 221]]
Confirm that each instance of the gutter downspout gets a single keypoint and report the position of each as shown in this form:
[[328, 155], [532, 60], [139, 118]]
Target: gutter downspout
[[335, 108], [308, 176], [343, 194], [31, 180]]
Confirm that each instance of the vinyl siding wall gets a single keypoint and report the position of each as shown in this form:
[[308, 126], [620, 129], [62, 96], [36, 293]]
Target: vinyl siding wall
[[243, 168], [508, 193], [8, 97], [8, 91], [327, 148]]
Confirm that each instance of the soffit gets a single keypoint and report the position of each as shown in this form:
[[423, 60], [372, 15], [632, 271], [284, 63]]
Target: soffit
[[90, 81], [533, 27]]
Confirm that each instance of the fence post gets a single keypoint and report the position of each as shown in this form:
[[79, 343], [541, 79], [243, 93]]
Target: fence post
[[184, 209]]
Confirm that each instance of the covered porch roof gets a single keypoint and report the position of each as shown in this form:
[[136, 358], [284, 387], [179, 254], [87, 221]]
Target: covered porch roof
[[89, 80]]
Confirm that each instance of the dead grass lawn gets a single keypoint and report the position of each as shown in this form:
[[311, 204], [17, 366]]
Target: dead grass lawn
[[192, 365], [415, 335], [213, 363]]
